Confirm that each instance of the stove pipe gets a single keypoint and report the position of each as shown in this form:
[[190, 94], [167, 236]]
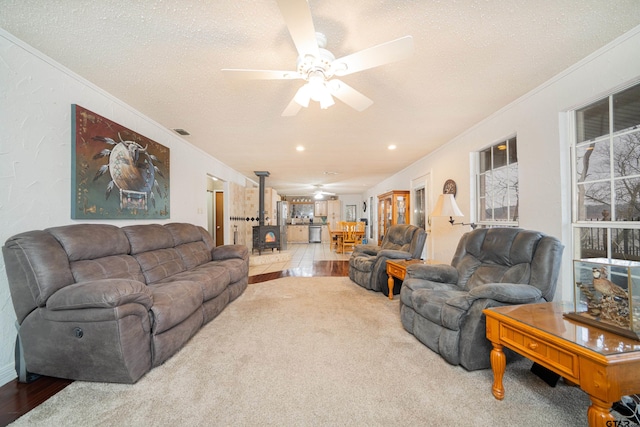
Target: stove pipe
[[261, 213]]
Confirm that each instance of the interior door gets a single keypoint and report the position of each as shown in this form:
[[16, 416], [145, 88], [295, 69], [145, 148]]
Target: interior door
[[219, 218]]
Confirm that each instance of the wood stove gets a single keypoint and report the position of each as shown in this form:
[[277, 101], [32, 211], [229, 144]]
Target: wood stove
[[264, 236]]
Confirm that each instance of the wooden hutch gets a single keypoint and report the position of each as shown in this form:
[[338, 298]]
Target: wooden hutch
[[393, 208]]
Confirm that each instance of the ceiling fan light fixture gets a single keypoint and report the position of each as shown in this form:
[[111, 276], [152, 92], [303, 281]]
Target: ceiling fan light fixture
[[326, 100], [316, 85], [303, 95]]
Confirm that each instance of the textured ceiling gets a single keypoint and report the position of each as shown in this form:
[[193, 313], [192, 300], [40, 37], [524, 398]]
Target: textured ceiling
[[471, 58]]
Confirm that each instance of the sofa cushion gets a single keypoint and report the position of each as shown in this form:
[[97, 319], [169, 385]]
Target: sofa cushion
[[90, 241], [363, 262], [486, 273], [183, 233], [194, 254], [148, 237], [174, 302], [519, 273], [237, 268], [111, 267], [399, 238], [212, 280], [160, 264], [190, 244], [429, 303]]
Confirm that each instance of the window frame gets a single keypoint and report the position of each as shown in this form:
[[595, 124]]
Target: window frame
[[609, 227], [478, 197]]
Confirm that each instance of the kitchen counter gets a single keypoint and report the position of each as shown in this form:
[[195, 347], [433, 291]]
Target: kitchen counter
[[299, 233]]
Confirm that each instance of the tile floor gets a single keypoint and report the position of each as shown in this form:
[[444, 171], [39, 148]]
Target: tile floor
[[296, 255]]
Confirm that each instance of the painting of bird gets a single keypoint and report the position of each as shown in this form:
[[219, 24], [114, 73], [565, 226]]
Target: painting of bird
[[606, 286]]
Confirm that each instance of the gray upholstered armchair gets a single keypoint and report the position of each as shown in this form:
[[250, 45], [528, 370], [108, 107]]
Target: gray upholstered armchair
[[442, 305], [368, 263]]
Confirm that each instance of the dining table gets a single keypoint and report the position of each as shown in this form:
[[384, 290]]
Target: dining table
[[339, 233]]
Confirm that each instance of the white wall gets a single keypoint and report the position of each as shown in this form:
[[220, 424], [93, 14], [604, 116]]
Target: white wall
[[35, 157], [540, 121], [352, 199]]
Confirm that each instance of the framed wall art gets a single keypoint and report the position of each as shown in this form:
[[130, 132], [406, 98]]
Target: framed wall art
[[350, 213], [116, 172]]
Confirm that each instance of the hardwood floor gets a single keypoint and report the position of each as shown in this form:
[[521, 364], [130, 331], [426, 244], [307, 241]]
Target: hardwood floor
[[318, 269], [16, 399]]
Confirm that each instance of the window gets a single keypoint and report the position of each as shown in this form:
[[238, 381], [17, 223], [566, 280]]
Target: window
[[497, 184], [606, 215], [419, 217]]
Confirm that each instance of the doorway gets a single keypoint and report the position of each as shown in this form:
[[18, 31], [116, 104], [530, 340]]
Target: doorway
[[215, 210], [421, 192], [219, 218]]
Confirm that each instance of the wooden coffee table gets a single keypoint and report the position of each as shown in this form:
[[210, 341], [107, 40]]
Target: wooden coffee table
[[604, 365], [398, 268]]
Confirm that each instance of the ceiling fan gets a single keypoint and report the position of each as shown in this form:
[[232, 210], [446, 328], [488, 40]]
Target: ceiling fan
[[318, 67], [319, 193]]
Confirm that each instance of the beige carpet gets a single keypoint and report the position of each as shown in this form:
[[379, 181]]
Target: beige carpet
[[312, 351]]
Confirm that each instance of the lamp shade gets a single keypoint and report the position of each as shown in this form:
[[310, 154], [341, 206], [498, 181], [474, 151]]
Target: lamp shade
[[446, 206]]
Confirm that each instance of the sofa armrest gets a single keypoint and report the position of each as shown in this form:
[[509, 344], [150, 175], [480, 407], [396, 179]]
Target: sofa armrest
[[442, 273], [366, 249], [105, 293], [394, 254], [229, 251], [508, 293]]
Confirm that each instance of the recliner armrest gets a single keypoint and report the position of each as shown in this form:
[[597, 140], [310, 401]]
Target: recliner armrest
[[229, 251], [104, 293], [366, 249], [442, 273], [394, 254], [508, 293]]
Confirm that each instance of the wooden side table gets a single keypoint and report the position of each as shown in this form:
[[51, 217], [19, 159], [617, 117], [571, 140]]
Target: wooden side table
[[398, 268], [604, 365]]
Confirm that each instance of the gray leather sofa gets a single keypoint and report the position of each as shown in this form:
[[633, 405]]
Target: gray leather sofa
[[442, 305], [368, 263], [97, 302]]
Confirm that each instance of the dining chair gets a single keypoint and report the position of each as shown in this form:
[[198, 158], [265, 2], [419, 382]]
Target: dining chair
[[340, 235], [349, 239], [360, 232]]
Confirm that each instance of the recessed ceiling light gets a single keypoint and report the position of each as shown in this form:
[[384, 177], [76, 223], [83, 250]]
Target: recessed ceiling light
[[299, 148], [391, 147], [330, 173], [182, 132]]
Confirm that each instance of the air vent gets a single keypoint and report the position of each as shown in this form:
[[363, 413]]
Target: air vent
[[182, 132]]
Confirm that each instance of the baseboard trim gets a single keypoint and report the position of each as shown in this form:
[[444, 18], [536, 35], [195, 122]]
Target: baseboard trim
[[7, 374]]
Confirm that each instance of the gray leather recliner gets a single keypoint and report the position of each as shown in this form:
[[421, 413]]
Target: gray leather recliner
[[368, 263], [442, 305]]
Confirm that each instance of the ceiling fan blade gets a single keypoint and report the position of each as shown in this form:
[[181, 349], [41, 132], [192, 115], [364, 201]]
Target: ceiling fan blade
[[381, 54], [297, 16], [240, 74], [349, 95], [293, 107]]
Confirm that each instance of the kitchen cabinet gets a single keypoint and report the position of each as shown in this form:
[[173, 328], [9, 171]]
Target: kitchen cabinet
[[393, 208], [320, 208], [297, 234], [326, 238], [334, 213]]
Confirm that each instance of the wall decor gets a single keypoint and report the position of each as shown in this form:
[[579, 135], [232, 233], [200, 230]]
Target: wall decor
[[450, 187], [350, 213], [116, 172]]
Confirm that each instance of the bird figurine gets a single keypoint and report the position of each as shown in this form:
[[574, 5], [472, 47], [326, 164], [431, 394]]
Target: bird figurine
[[606, 286]]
